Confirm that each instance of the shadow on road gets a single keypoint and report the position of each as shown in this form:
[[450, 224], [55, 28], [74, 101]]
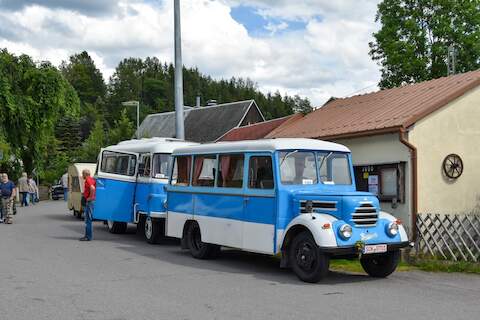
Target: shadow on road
[[261, 266]]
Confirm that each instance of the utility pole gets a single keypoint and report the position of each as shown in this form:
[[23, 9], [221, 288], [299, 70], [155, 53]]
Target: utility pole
[[451, 59], [179, 123]]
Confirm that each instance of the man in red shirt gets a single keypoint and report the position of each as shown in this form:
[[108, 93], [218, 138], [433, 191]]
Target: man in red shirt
[[89, 195]]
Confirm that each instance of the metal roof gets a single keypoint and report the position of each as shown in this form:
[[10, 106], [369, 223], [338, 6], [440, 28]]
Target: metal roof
[[381, 111], [256, 130], [204, 124], [268, 145]]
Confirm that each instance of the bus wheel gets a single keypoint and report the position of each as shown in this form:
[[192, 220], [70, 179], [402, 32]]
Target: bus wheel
[[116, 227], [381, 265], [307, 262], [153, 230], [199, 249]]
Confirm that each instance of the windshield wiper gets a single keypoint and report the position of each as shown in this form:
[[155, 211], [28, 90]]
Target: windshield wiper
[[286, 156]]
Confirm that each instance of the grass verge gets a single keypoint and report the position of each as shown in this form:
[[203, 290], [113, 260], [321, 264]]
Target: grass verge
[[418, 264]]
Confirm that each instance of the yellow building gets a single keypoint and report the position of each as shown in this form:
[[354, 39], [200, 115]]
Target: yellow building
[[417, 146]]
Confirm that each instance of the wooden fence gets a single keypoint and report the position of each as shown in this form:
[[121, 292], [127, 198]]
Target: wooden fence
[[449, 236]]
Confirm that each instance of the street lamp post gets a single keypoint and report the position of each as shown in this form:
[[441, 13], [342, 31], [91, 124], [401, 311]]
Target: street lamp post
[[134, 103]]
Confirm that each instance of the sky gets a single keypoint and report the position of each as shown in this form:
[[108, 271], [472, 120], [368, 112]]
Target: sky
[[314, 48]]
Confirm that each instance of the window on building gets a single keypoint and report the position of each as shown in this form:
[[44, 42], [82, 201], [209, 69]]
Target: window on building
[[230, 171], [118, 163], [181, 171], [160, 165], [204, 170], [387, 181], [260, 174]]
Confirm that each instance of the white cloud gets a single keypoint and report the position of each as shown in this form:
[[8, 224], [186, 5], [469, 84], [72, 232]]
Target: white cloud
[[329, 57]]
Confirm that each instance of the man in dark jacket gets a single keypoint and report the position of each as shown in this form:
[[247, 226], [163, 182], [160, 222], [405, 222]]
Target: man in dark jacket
[[7, 195]]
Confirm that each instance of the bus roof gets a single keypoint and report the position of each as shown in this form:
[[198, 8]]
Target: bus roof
[[269, 145], [151, 145]]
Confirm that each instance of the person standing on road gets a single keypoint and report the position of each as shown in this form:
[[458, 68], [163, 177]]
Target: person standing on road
[[32, 190], [89, 195], [65, 186], [7, 195], [23, 189]]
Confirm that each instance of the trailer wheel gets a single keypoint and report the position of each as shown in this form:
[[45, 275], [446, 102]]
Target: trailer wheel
[[306, 259], [199, 249], [380, 265], [116, 227], [154, 230]]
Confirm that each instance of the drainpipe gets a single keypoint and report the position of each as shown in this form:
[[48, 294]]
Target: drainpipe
[[413, 153]]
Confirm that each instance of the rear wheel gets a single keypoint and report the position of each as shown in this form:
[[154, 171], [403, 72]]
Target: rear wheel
[[199, 249], [116, 227], [154, 230], [308, 263], [380, 265]]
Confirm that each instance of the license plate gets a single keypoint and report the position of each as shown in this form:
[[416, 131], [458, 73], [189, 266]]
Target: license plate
[[375, 248]]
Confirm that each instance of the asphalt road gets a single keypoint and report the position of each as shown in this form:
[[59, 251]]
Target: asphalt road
[[46, 273]]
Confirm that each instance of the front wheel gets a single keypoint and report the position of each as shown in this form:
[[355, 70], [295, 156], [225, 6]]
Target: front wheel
[[306, 259], [116, 227], [380, 265], [154, 230], [199, 249]]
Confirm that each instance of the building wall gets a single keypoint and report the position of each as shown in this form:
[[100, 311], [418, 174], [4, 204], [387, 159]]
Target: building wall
[[453, 129], [384, 149]]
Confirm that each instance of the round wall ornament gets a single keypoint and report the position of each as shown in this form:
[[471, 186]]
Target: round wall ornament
[[453, 166]]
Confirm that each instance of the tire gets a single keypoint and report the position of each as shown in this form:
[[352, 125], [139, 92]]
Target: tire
[[380, 265], [306, 259], [116, 227], [199, 249], [154, 230], [54, 198]]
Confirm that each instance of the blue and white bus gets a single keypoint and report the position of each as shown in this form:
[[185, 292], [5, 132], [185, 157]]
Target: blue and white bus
[[130, 185], [293, 197]]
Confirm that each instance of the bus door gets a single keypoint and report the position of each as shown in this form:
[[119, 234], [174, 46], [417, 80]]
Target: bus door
[[260, 205], [116, 184], [144, 182]]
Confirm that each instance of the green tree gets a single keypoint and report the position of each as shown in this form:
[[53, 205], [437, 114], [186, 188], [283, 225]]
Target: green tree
[[97, 140], [82, 73], [413, 41], [32, 98], [122, 130]]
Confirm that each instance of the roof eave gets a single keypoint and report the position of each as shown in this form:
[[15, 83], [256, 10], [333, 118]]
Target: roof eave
[[362, 134]]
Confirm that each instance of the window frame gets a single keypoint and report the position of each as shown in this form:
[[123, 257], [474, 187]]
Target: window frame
[[215, 168], [172, 168], [247, 173], [169, 166], [217, 171], [376, 169], [129, 154], [142, 157]]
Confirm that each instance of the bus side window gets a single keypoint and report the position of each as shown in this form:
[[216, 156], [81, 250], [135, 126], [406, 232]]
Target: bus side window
[[204, 170], [260, 173], [181, 171], [230, 171]]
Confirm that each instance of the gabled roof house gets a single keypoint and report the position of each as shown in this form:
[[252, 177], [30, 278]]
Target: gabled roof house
[[203, 124], [416, 146]]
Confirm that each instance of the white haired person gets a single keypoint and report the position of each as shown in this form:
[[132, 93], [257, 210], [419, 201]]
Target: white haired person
[[7, 195], [89, 195]]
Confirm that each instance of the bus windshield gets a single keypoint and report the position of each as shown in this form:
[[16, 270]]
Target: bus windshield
[[161, 162], [309, 167]]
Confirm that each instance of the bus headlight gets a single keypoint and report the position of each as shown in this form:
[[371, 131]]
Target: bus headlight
[[345, 231], [392, 229]]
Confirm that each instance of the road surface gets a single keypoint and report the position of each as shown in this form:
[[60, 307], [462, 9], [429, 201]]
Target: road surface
[[46, 273]]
